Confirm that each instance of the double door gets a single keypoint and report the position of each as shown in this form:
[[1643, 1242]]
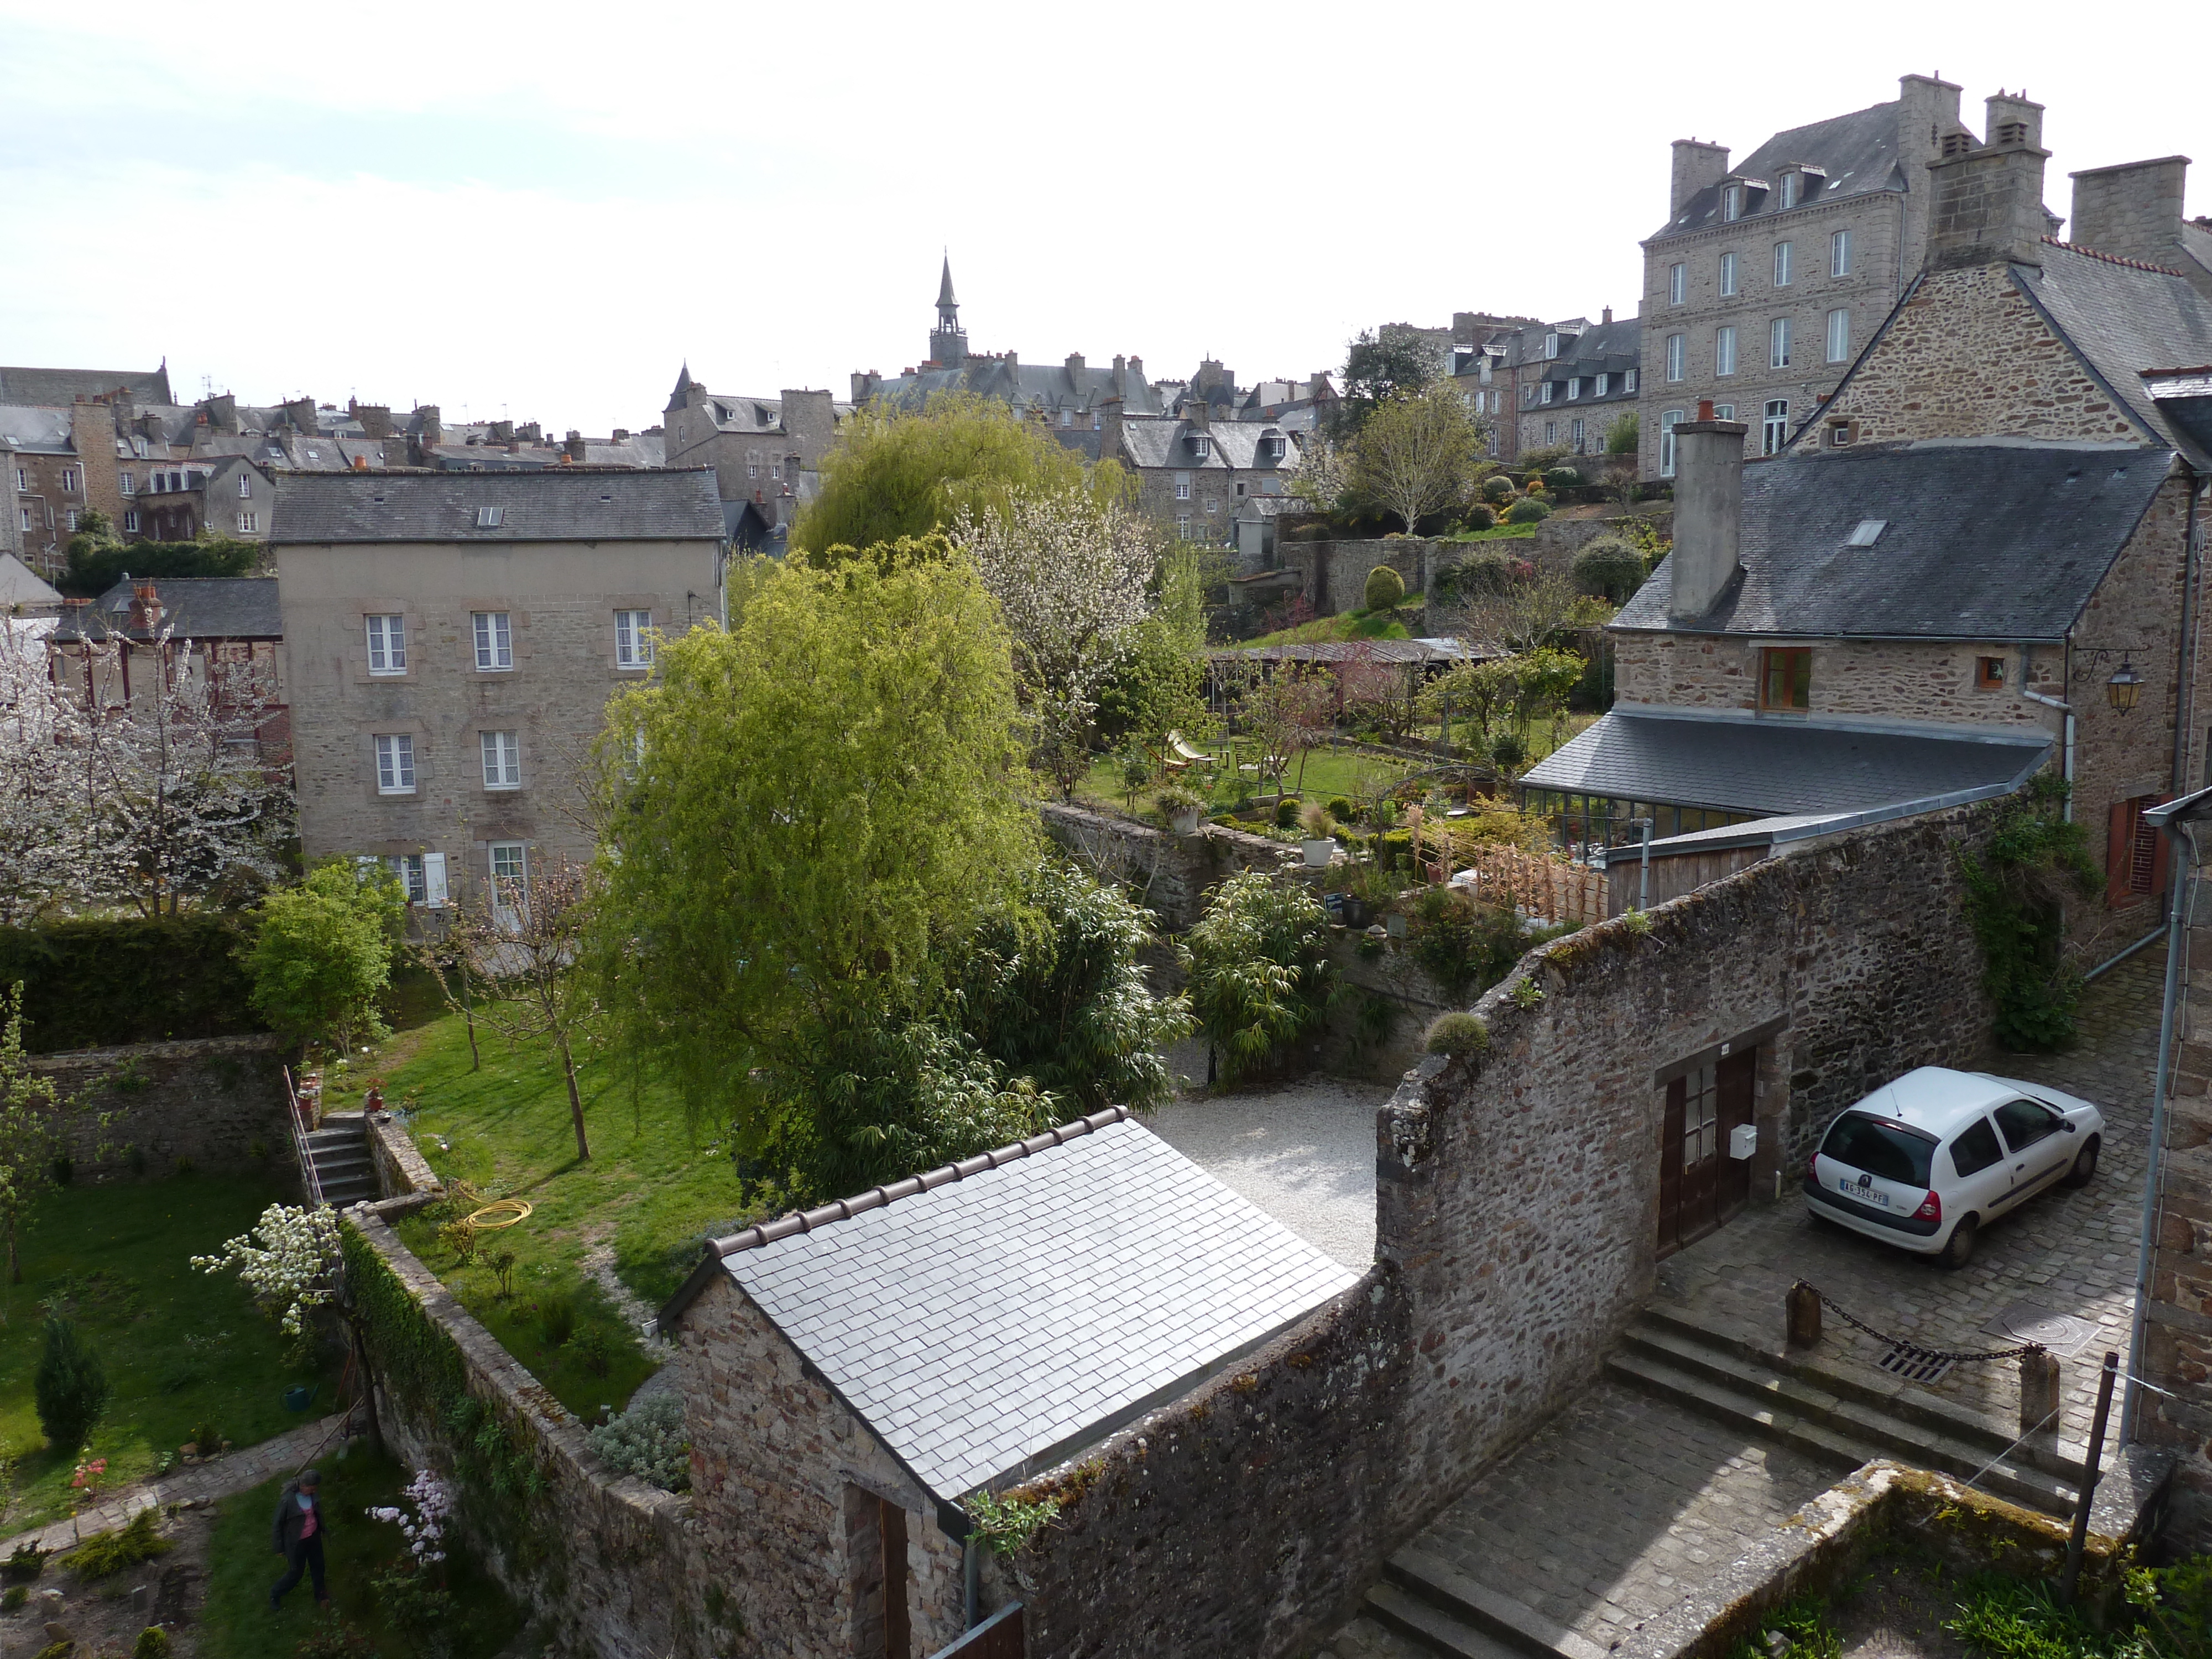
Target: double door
[[1701, 1187]]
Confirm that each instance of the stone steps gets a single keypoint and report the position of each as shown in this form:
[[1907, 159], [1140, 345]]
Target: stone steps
[[343, 1168], [1824, 1413], [1429, 1600]]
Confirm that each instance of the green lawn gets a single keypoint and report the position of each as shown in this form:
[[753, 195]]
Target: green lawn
[[1501, 533], [648, 1192], [1328, 772], [179, 1347], [1350, 625], [241, 1567]]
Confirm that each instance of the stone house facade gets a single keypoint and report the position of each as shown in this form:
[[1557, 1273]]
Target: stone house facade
[[761, 448], [1576, 380], [452, 640], [1194, 474], [228, 496], [62, 461]]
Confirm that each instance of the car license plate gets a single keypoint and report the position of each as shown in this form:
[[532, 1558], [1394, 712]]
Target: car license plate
[[1864, 1194]]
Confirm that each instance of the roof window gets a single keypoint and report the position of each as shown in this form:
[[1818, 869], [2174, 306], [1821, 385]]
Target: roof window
[[490, 517], [1867, 533]]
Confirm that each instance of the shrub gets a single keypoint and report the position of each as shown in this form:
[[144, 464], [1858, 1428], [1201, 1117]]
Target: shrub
[[323, 955], [71, 1386], [153, 1643], [1508, 751], [1259, 969], [1461, 944], [1385, 588], [647, 1441], [596, 1348], [1457, 1036], [1286, 812], [1499, 489], [88, 984], [1609, 568], [13, 1597], [1480, 515], [1562, 477], [106, 1552], [1488, 569], [1528, 510], [556, 1320], [1342, 810], [207, 1436], [25, 1562], [1317, 823]]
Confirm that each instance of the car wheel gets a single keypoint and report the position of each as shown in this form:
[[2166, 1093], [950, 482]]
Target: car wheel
[[2085, 1165], [1959, 1249]]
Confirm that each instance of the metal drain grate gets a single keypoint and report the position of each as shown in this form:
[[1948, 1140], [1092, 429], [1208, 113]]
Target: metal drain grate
[[1915, 1364]]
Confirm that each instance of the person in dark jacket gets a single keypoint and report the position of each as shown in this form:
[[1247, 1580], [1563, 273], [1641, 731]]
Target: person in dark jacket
[[299, 1538]]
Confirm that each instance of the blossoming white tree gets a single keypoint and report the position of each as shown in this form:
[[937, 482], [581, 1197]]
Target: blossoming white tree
[[423, 1527], [290, 1262], [1071, 576]]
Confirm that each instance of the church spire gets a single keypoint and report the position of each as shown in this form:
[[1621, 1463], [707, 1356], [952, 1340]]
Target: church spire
[[948, 341], [681, 397], [947, 307]]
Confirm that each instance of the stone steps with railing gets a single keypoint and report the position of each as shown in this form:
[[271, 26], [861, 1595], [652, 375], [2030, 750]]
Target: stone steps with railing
[[344, 1171]]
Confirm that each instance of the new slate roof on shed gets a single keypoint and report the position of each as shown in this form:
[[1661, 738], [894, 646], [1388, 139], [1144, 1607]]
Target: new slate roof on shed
[[568, 505], [192, 607], [1001, 1321], [1775, 766], [1992, 539], [2124, 319]]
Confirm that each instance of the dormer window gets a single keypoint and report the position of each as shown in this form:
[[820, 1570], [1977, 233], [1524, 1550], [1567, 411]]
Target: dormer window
[[1732, 202], [1604, 385], [1551, 344], [1793, 188], [1574, 388], [1200, 445]]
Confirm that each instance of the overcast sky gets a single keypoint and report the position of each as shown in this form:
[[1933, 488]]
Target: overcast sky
[[542, 212]]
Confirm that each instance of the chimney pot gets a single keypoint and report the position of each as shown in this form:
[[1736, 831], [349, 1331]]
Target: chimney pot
[[1705, 409]]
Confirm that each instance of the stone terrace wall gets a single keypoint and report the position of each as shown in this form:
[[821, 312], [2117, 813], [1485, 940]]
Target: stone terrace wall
[[217, 1102], [1516, 1211], [620, 1583], [1169, 874], [1335, 573]]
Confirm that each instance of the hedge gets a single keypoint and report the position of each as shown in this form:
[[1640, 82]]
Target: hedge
[[95, 983]]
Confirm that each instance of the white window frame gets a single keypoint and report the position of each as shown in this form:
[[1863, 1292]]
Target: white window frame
[[1727, 276], [1724, 349], [388, 642], [1839, 253], [1792, 186], [1678, 283], [1182, 486], [246, 486], [1669, 420], [1212, 506], [1839, 334], [129, 520], [1628, 382], [1551, 344], [23, 477], [1551, 432], [249, 522], [1724, 412], [1575, 429], [492, 632], [1776, 429], [1604, 385], [71, 478], [1785, 254], [1545, 396], [127, 483], [633, 640], [508, 862], [407, 869], [1731, 203], [1778, 342], [1677, 353], [502, 753], [23, 516], [1574, 388], [395, 763]]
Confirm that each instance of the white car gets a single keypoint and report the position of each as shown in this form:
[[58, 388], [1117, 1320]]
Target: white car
[[1927, 1161]]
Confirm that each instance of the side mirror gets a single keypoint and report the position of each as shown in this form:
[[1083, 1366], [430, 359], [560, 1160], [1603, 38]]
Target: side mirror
[[2069, 1125]]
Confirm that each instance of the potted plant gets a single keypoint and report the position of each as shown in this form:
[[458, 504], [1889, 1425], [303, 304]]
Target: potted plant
[[1320, 842], [1182, 807]]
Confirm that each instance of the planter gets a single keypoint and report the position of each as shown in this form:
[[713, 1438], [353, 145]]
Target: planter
[[1184, 823], [1394, 925], [1355, 910], [1318, 853]]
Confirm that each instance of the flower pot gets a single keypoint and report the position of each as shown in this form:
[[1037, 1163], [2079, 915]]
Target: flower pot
[[1355, 910], [1318, 853], [1184, 823]]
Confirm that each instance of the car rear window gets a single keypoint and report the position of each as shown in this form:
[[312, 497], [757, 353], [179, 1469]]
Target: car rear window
[[1888, 1150]]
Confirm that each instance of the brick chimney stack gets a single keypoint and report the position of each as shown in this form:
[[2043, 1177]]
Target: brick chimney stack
[[1708, 512], [145, 607]]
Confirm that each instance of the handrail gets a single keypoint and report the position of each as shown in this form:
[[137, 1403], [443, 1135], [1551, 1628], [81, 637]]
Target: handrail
[[309, 1179]]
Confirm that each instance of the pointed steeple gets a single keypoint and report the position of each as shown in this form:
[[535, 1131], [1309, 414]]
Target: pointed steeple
[[948, 341], [681, 397], [945, 299]]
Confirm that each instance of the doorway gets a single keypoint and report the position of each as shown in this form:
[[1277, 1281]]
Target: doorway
[[875, 1561], [1701, 1187]]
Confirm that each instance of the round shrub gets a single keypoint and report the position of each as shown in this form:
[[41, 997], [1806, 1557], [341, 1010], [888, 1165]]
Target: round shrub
[[153, 1643], [1609, 568], [1481, 515], [1342, 810], [1286, 812], [647, 1441], [1457, 1036], [1562, 477], [1528, 510], [1498, 488], [1385, 588], [1508, 752]]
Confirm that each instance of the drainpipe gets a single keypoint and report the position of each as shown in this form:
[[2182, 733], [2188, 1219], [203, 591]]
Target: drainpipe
[[2184, 712], [971, 1577], [2066, 740]]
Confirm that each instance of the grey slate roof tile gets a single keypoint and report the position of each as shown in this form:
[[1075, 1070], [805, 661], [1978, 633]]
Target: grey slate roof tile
[[1859, 152], [193, 607], [566, 505], [978, 1325], [2124, 319]]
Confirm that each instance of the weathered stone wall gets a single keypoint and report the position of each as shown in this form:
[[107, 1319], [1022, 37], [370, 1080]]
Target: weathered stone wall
[[1169, 874], [216, 1103], [401, 1171], [1336, 573], [1903, 680], [623, 1578]]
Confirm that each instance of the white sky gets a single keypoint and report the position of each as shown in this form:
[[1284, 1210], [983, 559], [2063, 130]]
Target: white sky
[[541, 211]]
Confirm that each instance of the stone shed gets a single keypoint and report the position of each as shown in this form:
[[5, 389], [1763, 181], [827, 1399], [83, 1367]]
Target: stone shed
[[859, 1370]]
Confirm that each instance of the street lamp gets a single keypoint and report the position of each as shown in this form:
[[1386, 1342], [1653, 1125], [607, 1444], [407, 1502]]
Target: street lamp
[[2124, 687]]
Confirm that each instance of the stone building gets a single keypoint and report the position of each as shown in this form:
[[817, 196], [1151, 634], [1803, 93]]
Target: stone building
[[1767, 278], [1990, 536], [766, 451], [1195, 475], [207, 628], [62, 460], [228, 496], [855, 1374], [452, 641], [2134, 211], [1573, 380]]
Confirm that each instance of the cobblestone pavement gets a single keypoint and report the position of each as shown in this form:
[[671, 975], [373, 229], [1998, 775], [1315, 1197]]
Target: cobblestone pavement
[[1607, 1517], [198, 1483], [2067, 1251]]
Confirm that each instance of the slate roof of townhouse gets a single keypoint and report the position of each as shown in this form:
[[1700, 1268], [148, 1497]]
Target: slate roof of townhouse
[[1233, 444], [1613, 348], [568, 504], [1858, 152], [22, 589], [988, 1320], [1993, 538], [192, 607], [1732, 761], [2123, 318], [36, 430], [66, 386]]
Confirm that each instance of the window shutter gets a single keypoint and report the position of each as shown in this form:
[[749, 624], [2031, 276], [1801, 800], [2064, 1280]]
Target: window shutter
[[433, 878], [2119, 851]]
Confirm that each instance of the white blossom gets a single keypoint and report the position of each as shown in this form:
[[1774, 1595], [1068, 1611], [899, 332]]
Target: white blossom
[[425, 1529], [289, 1261]]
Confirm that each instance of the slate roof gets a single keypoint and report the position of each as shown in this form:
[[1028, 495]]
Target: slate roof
[[193, 607], [1236, 444], [1777, 764], [2123, 318], [1611, 347], [1423, 651], [36, 430], [66, 386], [1031, 1301], [1992, 539], [564, 504], [1858, 151], [2183, 397], [20, 586]]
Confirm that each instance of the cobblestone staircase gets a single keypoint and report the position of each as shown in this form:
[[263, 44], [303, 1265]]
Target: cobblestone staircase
[[343, 1168]]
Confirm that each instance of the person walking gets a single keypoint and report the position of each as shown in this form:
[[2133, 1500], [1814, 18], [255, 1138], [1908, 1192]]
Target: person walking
[[299, 1538]]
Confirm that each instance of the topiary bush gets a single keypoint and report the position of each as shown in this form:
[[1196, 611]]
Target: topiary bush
[[153, 1643], [1480, 515], [1385, 588], [1609, 568], [1562, 477], [1499, 489], [1286, 812], [1528, 510], [1342, 810], [647, 1442], [71, 1386]]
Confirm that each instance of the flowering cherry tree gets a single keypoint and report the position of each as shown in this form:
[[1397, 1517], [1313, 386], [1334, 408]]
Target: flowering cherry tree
[[1071, 576], [290, 1261], [424, 1526]]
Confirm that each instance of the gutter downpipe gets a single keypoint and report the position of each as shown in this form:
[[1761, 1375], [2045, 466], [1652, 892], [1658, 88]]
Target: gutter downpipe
[[971, 1585], [2066, 738]]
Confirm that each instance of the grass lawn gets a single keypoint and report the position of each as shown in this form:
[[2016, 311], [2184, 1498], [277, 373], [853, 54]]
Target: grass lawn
[[1327, 772], [179, 1347], [1349, 625], [648, 1193], [1501, 533], [236, 1622]]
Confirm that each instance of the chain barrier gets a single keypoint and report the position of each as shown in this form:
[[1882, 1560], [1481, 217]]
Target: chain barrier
[[1918, 1351]]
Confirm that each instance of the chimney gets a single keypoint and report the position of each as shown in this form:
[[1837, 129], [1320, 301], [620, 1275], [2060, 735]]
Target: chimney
[[530, 432], [301, 411], [1927, 108], [145, 607], [1110, 429], [2132, 211], [1988, 202], [222, 412], [432, 429], [1605, 316], [1708, 511], [503, 432], [1074, 364], [1195, 410], [620, 434], [1696, 166]]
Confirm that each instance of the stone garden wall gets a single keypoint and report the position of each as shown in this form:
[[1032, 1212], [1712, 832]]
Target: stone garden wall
[[1167, 873], [211, 1103]]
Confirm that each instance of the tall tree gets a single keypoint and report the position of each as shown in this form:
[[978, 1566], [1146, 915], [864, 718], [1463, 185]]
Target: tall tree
[[30, 1130], [1378, 368], [1417, 454]]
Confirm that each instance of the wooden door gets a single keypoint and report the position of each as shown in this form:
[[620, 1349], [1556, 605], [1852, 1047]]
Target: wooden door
[[1700, 1186]]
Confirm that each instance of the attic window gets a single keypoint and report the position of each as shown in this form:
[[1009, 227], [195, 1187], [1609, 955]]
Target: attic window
[[490, 517], [1867, 533], [606, 498], [1200, 445]]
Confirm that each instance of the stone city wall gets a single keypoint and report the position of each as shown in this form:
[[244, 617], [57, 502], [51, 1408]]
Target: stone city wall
[[1335, 573], [211, 1103], [1169, 874]]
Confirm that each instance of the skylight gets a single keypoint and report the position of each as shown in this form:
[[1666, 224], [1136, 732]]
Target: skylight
[[490, 517], [1868, 533]]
